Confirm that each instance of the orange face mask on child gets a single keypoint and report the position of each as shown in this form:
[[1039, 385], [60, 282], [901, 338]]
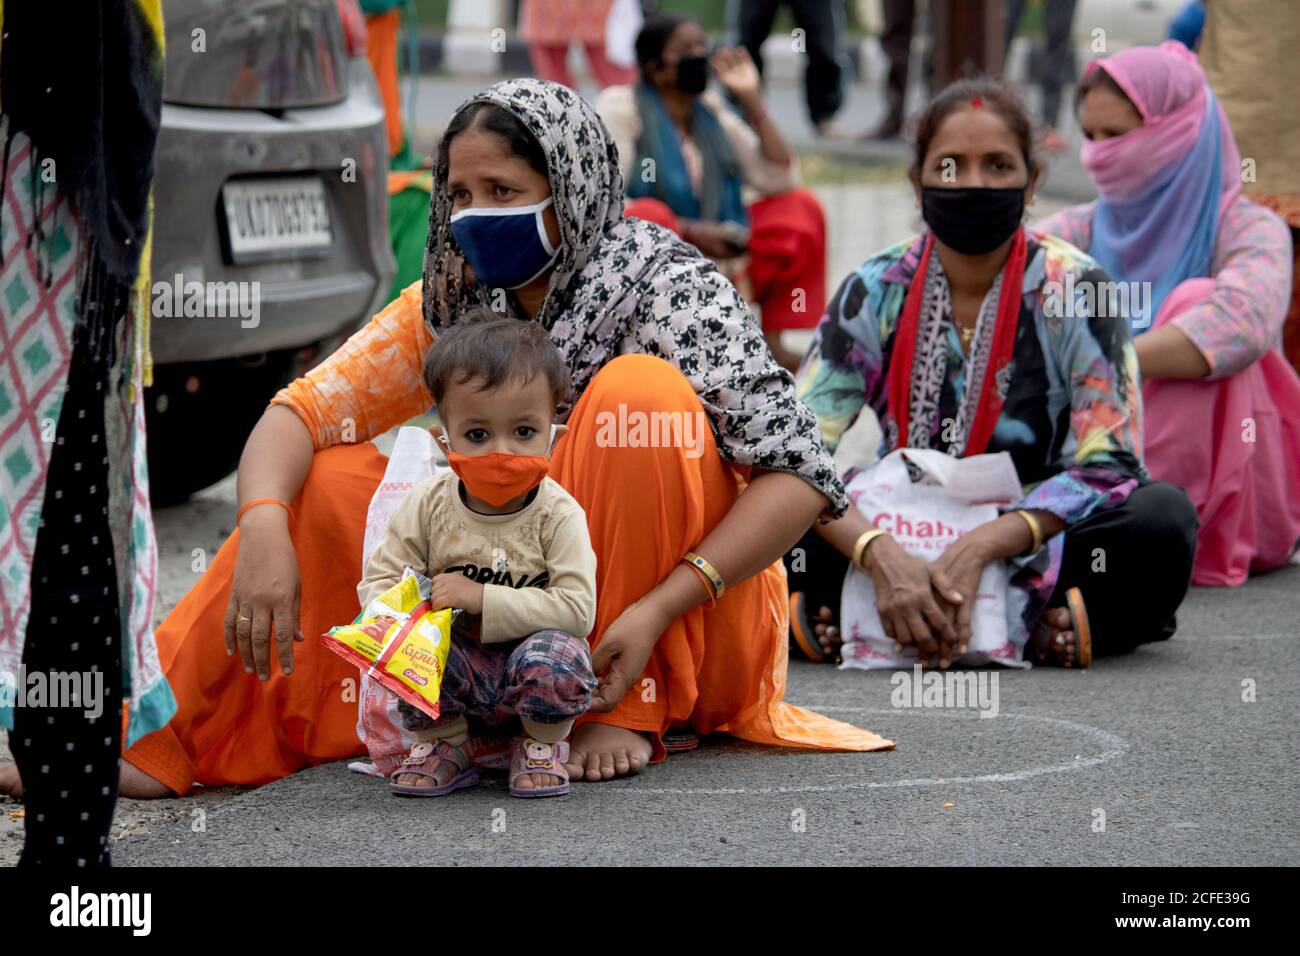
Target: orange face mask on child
[[498, 476]]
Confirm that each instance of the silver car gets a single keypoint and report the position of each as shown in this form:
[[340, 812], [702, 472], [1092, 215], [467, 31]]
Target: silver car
[[270, 218]]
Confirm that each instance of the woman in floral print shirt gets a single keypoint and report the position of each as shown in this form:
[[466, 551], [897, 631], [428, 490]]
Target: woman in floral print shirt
[[965, 339]]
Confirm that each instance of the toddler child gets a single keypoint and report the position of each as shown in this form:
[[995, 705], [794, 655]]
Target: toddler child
[[509, 546]]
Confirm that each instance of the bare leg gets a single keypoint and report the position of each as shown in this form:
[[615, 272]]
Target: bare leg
[[138, 785], [132, 782], [11, 783]]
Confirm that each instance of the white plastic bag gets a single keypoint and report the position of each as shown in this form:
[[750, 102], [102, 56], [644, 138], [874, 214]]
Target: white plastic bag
[[951, 497], [415, 457], [621, 27]]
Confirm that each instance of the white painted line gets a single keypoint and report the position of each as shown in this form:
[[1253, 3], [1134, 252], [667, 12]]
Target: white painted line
[[1114, 746]]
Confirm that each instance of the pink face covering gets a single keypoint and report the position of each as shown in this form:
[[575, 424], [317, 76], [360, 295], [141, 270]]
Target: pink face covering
[[1167, 86], [1122, 166]]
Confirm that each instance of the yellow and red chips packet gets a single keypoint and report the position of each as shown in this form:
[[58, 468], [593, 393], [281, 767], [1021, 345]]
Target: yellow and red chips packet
[[400, 641]]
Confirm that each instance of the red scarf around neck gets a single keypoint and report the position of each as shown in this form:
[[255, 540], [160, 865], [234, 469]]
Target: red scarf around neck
[[1004, 339]]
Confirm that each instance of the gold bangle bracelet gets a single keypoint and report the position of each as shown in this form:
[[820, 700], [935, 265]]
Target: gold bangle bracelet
[[709, 570], [860, 546], [1035, 529]]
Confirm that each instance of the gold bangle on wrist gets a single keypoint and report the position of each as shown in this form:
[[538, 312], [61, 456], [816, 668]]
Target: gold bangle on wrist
[[860, 546], [1035, 529], [709, 571]]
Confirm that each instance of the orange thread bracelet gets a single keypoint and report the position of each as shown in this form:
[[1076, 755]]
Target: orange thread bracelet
[[261, 501], [708, 585]]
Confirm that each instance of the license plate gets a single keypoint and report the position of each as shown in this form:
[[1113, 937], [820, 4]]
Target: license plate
[[276, 218]]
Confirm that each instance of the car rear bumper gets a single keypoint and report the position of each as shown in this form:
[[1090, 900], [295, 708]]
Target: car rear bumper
[[297, 302]]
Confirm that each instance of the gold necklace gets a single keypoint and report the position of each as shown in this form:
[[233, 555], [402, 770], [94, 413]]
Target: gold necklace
[[966, 333]]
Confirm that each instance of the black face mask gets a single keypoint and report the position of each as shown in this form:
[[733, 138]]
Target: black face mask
[[693, 74], [974, 220]]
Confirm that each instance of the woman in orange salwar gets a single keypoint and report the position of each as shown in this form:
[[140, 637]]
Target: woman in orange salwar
[[646, 325]]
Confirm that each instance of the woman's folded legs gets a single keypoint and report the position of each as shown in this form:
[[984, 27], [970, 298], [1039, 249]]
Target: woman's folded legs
[[230, 727], [1133, 565]]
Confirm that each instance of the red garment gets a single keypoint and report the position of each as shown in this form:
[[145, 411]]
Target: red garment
[[1004, 339], [550, 62], [787, 249], [553, 22]]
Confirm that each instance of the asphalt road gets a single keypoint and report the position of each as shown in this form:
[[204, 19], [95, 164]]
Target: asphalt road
[[1161, 742], [1153, 758]]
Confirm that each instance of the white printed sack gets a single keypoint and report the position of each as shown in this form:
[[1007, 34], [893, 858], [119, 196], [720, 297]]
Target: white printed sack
[[950, 497], [415, 457]]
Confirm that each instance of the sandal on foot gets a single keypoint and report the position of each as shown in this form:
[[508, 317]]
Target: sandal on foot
[[1046, 642], [803, 630], [425, 759], [680, 739], [533, 756]]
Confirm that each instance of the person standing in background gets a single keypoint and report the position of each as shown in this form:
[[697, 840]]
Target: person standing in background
[[81, 101], [822, 22], [549, 26], [383, 23], [896, 43], [1057, 68], [1248, 51]]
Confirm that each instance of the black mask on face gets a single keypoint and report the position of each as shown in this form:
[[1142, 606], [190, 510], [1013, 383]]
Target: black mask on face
[[974, 220], [693, 74]]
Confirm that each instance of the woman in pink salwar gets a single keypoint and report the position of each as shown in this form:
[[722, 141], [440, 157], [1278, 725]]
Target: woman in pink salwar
[[1206, 279]]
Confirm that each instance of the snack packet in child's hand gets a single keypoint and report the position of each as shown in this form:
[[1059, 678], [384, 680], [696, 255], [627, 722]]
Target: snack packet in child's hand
[[400, 641]]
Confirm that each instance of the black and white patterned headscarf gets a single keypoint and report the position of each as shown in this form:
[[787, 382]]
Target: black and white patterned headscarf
[[629, 286]]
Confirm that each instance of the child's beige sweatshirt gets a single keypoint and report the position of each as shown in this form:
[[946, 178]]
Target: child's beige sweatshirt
[[536, 565]]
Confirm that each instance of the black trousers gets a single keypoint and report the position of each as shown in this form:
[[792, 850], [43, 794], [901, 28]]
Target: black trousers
[[1057, 67], [67, 756], [1133, 564], [896, 43], [820, 22]]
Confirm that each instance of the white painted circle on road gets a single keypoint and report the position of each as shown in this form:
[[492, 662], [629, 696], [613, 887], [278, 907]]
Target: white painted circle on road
[[1111, 746]]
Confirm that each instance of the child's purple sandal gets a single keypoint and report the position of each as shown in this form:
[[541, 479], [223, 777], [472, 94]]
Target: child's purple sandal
[[532, 756], [424, 760]]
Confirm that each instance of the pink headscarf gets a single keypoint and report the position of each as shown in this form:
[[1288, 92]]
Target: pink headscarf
[[1166, 185], [1168, 87]]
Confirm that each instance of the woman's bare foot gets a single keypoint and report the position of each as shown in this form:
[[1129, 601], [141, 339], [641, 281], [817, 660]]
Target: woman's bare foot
[[1059, 647], [602, 752], [135, 783], [10, 783]]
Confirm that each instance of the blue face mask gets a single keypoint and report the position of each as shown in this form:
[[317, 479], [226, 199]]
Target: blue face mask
[[509, 247]]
